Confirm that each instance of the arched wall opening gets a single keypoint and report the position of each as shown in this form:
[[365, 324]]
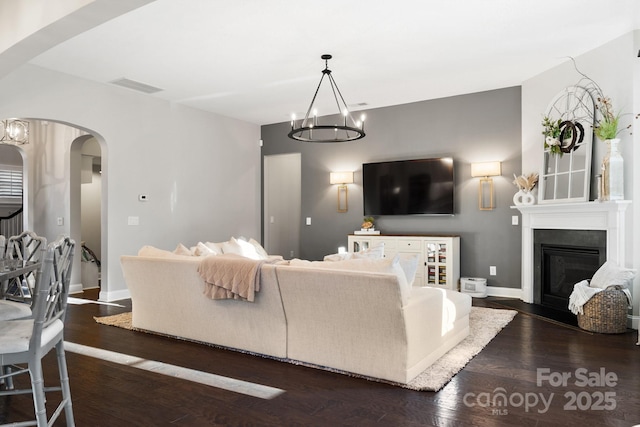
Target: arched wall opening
[[52, 180]]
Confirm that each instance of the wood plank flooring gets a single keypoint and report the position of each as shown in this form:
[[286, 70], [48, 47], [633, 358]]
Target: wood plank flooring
[[109, 394]]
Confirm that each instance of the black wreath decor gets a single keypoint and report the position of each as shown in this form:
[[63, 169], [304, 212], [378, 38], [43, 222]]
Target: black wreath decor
[[575, 131]]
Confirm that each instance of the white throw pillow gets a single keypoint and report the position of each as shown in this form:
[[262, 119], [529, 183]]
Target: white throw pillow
[[182, 250], [203, 250], [376, 252], [259, 249], [215, 247], [338, 257], [409, 264], [610, 274], [240, 247]]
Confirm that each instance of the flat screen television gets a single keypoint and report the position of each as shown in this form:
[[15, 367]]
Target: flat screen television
[[408, 187]]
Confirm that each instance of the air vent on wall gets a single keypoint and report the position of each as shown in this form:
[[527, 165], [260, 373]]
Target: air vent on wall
[[132, 84]]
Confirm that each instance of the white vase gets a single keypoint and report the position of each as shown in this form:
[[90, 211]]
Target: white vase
[[523, 197], [613, 172]]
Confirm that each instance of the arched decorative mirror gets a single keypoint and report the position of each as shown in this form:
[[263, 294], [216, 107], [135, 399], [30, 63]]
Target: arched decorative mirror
[[566, 166]]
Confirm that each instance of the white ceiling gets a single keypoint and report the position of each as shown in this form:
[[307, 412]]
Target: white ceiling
[[259, 60]]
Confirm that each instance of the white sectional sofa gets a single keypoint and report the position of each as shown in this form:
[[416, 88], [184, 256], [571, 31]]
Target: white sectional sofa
[[354, 321]]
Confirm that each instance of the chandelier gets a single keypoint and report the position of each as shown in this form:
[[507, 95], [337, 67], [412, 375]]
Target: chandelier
[[309, 130], [14, 131]]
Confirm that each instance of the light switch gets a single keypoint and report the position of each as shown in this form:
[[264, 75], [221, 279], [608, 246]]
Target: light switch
[[514, 220], [133, 220], [60, 220], [308, 220]]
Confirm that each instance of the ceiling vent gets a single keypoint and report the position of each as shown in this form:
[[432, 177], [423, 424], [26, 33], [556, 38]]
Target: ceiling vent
[[132, 84]]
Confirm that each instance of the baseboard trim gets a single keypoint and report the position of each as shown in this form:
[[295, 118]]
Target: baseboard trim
[[495, 291], [75, 288], [635, 323], [114, 295]]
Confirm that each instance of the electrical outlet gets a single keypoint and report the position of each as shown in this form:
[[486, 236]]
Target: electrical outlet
[[308, 220], [514, 220], [492, 270]]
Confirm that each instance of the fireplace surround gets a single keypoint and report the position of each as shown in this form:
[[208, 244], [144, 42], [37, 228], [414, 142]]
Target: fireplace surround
[[607, 216]]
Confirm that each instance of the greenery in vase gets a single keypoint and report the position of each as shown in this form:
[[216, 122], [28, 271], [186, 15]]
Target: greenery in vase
[[606, 119], [607, 126]]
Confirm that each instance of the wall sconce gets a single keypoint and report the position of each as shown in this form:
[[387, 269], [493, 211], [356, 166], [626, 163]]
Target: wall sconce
[[484, 171], [14, 131], [342, 178]]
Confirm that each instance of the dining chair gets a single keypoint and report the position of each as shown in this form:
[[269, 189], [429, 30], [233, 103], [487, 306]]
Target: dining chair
[[27, 246], [24, 342]]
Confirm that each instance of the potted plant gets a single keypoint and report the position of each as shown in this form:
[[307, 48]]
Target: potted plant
[[368, 224]]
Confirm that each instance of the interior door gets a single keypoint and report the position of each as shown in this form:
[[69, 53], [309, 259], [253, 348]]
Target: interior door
[[282, 204]]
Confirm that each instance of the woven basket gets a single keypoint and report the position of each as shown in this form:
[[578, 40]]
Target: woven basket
[[605, 312]]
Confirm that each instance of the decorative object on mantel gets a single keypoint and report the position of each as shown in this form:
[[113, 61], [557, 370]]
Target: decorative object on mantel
[[612, 172], [607, 129], [525, 184], [367, 226], [566, 166], [310, 131], [562, 136]]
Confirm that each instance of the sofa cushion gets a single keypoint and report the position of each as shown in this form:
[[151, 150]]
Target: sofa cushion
[[385, 265], [153, 252]]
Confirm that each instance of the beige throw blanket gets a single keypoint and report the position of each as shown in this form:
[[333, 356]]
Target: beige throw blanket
[[230, 276]]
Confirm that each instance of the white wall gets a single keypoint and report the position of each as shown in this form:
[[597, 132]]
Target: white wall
[[201, 171], [616, 68]]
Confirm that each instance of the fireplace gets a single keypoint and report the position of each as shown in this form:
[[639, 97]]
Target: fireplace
[[562, 258], [607, 217]]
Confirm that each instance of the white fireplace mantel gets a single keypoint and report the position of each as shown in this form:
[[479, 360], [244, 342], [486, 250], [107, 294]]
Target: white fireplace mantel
[[608, 216]]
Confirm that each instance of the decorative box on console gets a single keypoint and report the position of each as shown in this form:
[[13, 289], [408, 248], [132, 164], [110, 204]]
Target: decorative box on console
[[367, 231]]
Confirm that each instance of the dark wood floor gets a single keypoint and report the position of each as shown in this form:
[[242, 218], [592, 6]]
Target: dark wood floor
[[106, 394]]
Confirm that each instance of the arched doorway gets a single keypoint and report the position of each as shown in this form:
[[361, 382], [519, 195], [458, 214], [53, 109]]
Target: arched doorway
[[52, 185], [11, 188]]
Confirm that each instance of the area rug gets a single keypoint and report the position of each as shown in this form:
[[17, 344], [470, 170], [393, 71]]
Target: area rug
[[484, 325]]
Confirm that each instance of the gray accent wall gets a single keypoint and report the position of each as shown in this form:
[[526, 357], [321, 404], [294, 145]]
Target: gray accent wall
[[476, 127]]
